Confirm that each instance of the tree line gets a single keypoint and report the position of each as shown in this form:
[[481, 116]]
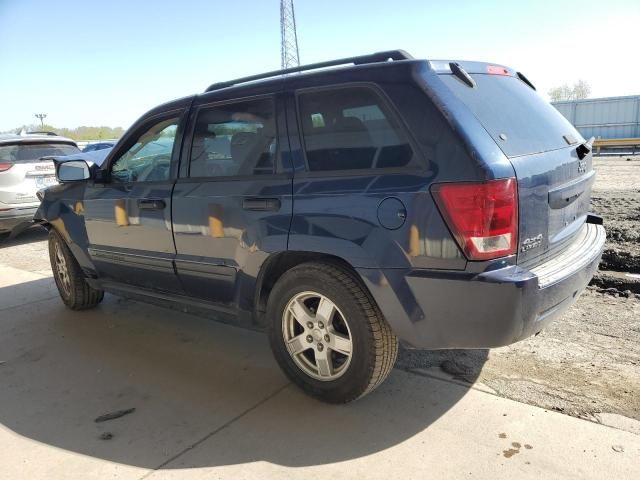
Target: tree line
[[578, 91], [79, 134]]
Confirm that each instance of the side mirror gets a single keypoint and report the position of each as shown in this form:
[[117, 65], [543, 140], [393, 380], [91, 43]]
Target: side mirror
[[73, 171]]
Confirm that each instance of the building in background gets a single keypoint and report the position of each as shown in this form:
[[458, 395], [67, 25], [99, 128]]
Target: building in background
[[613, 121], [610, 117]]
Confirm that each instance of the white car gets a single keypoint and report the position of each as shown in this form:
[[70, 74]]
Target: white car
[[24, 171]]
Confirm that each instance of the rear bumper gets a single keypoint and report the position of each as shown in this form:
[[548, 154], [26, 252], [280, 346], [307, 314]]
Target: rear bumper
[[11, 218], [438, 310]]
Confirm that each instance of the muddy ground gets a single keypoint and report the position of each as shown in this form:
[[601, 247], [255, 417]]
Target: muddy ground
[[617, 198], [587, 364]]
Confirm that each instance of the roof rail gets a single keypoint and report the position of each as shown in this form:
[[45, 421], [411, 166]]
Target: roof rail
[[362, 59]]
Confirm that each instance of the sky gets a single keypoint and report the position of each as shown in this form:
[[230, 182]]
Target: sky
[[85, 62]]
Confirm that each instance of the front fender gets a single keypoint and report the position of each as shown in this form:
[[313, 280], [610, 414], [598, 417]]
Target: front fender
[[62, 208]]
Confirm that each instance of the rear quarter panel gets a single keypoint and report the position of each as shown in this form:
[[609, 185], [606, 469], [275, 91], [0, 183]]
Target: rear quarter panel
[[337, 212]]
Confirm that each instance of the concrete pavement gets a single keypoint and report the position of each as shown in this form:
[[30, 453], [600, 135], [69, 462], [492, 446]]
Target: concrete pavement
[[211, 403]]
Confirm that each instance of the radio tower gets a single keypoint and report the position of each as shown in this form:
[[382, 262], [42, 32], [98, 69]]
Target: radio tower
[[289, 54]]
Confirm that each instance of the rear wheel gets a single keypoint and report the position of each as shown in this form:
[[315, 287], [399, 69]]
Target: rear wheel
[[327, 334], [75, 292]]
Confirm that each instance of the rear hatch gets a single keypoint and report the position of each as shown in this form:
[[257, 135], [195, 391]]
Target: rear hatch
[[554, 183], [23, 172]]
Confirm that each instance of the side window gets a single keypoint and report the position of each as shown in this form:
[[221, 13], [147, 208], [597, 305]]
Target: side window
[[149, 159], [351, 129], [234, 139]]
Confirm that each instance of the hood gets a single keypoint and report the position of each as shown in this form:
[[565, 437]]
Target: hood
[[95, 157]]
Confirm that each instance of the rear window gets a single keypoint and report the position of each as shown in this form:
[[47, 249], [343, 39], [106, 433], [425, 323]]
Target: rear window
[[350, 128], [26, 152], [520, 121]]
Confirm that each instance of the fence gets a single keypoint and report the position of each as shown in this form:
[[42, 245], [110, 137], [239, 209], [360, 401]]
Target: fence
[[607, 118]]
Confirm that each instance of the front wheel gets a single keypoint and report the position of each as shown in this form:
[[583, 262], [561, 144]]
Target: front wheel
[[327, 333], [74, 291]]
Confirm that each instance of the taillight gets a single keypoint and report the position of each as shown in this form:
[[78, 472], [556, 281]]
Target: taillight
[[483, 217], [5, 166]]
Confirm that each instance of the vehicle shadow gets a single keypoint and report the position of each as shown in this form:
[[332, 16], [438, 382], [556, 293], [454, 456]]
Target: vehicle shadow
[[192, 382], [31, 234]]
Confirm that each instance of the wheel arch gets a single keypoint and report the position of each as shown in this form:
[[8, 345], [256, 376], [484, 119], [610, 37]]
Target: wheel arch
[[71, 238], [277, 264]]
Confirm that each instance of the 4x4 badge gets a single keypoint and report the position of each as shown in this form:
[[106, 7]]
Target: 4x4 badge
[[582, 166], [531, 243]]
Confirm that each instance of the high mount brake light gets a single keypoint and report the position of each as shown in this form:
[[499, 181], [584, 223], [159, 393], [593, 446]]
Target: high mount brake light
[[483, 217], [496, 70]]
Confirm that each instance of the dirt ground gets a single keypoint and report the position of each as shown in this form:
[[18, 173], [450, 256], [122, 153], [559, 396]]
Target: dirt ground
[[587, 364], [617, 198]]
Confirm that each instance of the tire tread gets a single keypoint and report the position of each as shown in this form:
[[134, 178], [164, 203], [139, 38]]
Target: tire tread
[[385, 344], [83, 296]]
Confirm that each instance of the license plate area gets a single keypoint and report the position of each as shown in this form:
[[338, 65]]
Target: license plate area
[[44, 181]]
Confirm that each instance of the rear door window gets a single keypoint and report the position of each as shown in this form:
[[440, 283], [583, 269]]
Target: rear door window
[[350, 128], [519, 120], [235, 139]]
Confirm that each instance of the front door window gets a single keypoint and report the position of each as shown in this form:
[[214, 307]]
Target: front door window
[[149, 159]]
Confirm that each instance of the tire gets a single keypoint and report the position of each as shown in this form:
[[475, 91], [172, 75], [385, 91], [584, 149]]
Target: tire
[[321, 361], [74, 290]]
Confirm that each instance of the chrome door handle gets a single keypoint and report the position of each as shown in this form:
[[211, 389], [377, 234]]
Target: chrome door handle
[[261, 204], [152, 204]]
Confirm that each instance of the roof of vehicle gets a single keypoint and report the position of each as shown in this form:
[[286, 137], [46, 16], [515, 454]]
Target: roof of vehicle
[[377, 59], [14, 138], [359, 68], [395, 55], [43, 132]]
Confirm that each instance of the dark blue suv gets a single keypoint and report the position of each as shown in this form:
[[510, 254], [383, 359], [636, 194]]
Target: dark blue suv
[[441, 203]]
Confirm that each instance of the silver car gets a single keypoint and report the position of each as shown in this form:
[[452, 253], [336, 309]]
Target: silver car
[[23, 172]]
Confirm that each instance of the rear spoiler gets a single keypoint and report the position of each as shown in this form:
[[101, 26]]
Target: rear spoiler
[[462, 69]]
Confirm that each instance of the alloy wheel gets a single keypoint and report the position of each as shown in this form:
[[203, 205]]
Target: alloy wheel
[[61, 269], [317, 336]]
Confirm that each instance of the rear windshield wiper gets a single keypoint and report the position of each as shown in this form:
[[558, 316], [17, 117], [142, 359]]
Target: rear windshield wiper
[[461, 73]]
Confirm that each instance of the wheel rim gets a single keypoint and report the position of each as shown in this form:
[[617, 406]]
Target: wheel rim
[[62, 272], [317, 336]]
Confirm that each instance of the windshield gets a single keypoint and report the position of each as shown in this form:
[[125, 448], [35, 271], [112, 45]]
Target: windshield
[[520, 121], [26, 152]]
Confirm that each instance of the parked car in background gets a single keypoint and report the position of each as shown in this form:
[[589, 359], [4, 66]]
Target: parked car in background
[[90, 147], [444, 204], [23, 172]]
